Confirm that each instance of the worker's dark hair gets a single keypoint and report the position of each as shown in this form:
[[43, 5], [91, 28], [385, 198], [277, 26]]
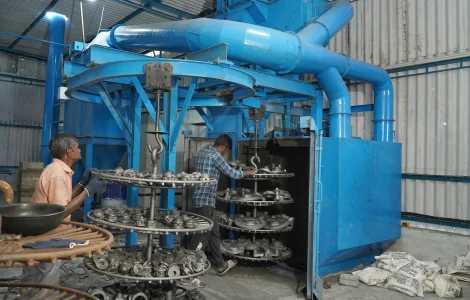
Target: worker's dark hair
[[223, 140], [60, 143]]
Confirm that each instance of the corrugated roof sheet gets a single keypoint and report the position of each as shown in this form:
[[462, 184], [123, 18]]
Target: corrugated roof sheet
[[16, 16]]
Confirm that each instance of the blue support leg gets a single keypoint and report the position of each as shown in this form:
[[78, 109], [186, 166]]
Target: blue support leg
[[88, 165], [170, 114], [53, 81]]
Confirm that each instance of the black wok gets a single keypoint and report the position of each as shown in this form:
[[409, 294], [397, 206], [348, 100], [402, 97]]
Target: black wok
[[32, 218]]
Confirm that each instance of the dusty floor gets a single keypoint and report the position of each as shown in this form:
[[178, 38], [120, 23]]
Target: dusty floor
[[279, 283]]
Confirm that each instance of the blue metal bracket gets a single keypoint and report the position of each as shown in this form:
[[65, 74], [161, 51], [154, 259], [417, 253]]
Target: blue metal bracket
[[184, 109], [115, 113], [216, 54], [205, 117]]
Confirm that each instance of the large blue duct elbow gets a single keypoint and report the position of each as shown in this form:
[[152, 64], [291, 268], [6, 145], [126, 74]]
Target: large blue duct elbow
[[250, 43], [322, 29], [279, 51], [339, 102]]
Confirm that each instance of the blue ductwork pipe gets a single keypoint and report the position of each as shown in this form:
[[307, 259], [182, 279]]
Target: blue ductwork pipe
[[279, 51], [53, 81], [322, 29], [340, 103]]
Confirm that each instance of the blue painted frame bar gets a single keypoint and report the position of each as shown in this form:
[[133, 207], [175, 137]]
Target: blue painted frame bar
[[444, 178], [205, 117], [184, 109], [115, 113]]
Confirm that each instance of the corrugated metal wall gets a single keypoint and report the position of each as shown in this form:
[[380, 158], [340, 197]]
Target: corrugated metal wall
[[20, 114], [432, 111]]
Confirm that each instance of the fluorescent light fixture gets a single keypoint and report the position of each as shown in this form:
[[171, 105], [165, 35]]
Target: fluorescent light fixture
[[51, 14]]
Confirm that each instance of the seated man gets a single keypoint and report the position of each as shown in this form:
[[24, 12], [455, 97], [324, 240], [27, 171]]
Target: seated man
[[209, 161], [55, 187]]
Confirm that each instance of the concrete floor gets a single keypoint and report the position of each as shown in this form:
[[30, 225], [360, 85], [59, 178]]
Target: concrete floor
[[279, 283]]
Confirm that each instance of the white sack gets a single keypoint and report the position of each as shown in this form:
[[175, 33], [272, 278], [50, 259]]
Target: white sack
[[373, 276]]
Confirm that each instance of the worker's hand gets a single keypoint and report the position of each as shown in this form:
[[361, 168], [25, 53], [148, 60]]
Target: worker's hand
[[96, 186], [249, 172], [86, 177]]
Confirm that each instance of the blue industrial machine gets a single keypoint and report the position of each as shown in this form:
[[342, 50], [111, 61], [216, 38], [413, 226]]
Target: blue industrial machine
[[244, 55]]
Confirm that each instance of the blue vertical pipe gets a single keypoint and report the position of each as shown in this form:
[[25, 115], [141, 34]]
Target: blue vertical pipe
[[53, 80], [339, 102]]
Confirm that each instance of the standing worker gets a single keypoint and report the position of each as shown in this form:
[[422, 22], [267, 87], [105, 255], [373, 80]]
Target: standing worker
[[55, 187], [209, 161]]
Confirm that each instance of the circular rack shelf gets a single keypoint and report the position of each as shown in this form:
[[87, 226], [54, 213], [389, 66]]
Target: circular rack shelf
[[12, 254], [287, 254], [89, 264], [268, 176], [287, 229], [153, 183], [30, 290], [255, 202], [203, 224]]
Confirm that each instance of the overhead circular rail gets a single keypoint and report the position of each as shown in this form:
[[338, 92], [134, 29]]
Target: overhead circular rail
[[124, 69]]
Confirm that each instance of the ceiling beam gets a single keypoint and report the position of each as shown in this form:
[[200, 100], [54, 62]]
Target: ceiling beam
[[130, 16], [161, 10], [31, 26], [181, 13]]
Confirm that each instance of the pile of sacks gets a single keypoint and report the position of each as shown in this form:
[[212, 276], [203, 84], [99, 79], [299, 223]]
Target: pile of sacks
[[401, 272]]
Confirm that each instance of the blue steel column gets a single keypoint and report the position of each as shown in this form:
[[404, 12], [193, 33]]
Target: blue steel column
[[168, 163], [88, 165], [133, 159], [54, 75]]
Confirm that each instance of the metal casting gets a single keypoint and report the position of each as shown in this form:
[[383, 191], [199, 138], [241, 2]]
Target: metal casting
[[164, 265], [164, 222], [168, 180], [259, 250]]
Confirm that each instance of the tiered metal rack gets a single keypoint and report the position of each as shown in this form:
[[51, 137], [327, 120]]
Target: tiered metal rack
[[275, 250], [153, 221]]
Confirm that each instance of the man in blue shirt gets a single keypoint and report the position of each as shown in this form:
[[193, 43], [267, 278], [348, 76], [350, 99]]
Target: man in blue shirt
[[210, 161]]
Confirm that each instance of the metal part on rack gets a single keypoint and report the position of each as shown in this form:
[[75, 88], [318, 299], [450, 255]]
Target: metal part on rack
[[165, 265], [226, 226], [98, 293], [246, 197], [166, 221], [258, 250], [162, 181], [263, 223]]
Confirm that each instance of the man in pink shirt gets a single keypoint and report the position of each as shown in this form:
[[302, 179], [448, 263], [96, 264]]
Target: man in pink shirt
[[55, 187]]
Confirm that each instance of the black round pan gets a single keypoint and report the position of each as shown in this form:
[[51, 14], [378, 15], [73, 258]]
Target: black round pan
[[31, 219]]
